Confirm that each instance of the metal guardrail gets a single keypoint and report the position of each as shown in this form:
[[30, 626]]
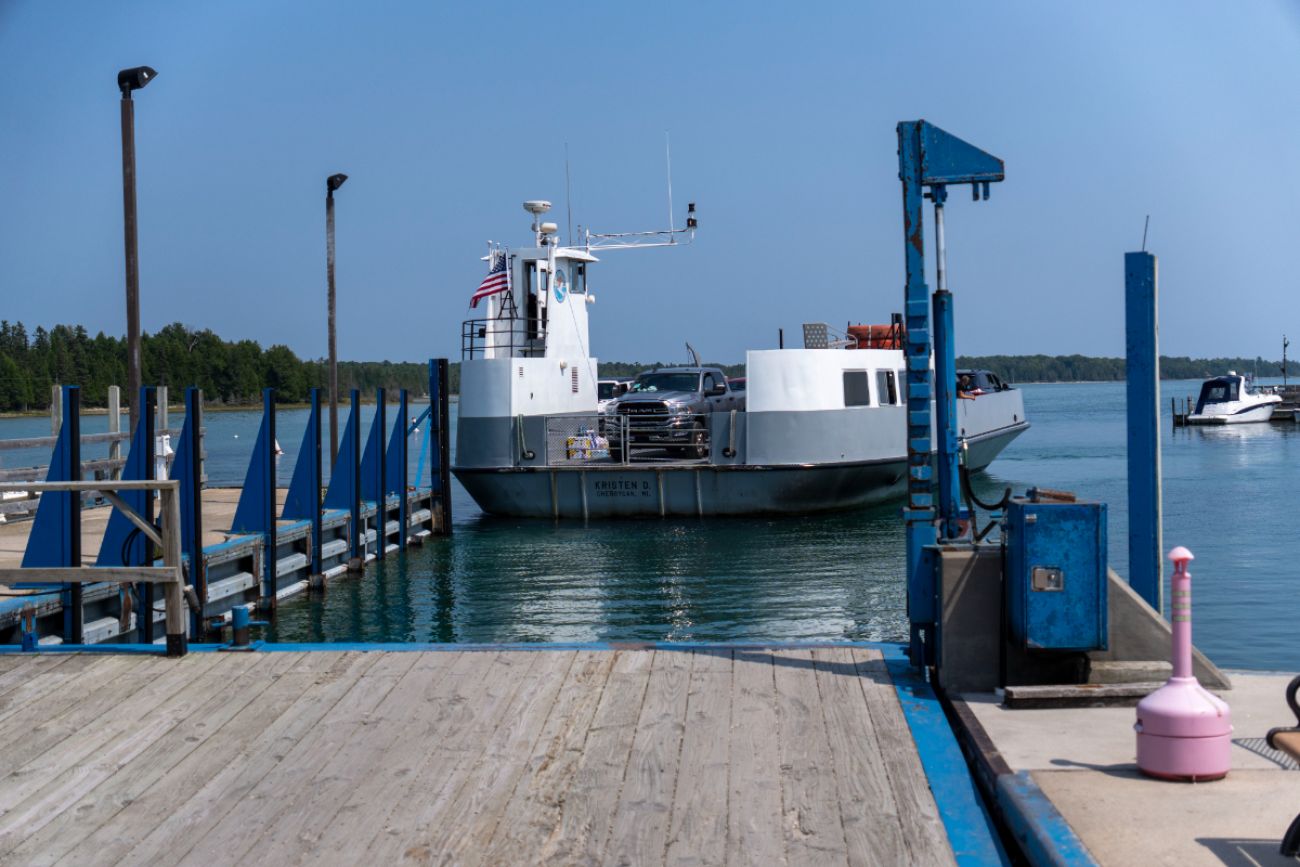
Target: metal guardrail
[[578, 440], [167, 535], [517, 337]]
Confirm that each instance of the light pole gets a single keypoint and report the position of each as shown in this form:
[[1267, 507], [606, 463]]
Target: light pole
[[332, 183], [129, 80]]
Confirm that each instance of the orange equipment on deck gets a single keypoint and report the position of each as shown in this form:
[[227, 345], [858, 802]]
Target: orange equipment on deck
[[877, 336]]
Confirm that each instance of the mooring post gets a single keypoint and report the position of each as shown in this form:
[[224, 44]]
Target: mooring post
[[357, 554], [396, 464], [146, 440], [187, 467], [1142, 333], [379, 426], [74, 611], [115, 426], [56, 409], [270, 562], [440, 445]]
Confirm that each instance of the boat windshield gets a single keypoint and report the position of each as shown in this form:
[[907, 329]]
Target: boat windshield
[[653, 382], [1217, 391]]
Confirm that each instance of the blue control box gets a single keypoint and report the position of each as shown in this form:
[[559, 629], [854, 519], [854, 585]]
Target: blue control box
[[1055, 579]]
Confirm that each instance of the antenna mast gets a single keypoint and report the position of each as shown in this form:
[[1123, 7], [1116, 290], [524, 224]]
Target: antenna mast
[[568, 194], [668, 155]]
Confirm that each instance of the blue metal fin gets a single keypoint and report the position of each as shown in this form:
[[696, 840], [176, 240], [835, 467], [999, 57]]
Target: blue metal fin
[[395, 456], [371, 470], [184, 471], [946, 159], [303, 500], [50, 542], [252, 514], [340, 493], [139, 465]]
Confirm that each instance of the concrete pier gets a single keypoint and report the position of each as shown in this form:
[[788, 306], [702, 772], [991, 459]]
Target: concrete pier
[[1079, 765]]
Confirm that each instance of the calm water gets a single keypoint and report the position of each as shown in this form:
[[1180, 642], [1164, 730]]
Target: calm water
[[1229, 496]]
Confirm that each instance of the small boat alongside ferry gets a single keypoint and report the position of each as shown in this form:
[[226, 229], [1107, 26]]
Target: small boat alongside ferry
[[815, 429], [1231, 400]]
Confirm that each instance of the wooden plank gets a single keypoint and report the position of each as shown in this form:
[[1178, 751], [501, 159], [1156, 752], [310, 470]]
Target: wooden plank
[[476, 710], [814, 833], [919, 815], [58, 834], [872, 831], [90, 574], [457, 838], [126, 726], [59, 778], [591, 799], [526, 823], [63, 714], [164, 822], [346, 839], [313, 806], [698, 828], [45, 677], [277, 792], [639, 834], [44, 696], [754, 793]]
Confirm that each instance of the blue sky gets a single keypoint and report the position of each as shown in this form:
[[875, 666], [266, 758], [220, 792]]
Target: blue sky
[[447, 116]]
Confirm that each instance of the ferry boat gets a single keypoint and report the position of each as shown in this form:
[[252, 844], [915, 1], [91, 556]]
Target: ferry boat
[[818, 428], [1230, 400]]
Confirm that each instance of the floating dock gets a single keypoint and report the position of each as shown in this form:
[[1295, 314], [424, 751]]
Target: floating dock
[[651, 755]]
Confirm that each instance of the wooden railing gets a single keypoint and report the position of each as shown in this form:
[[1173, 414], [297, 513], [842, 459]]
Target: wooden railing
[[167, 535]]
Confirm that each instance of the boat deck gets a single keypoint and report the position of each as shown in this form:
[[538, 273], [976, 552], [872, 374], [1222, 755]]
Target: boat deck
[[708, 755]]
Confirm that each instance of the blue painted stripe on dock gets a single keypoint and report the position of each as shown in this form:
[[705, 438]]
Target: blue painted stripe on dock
[[413, 647], [1044, 835], [970, 829]]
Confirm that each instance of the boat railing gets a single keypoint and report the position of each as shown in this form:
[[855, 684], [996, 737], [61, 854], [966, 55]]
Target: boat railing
[[506, 337], [647, 438]]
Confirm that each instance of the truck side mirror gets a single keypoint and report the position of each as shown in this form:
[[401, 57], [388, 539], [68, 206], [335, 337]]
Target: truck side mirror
[[717, 390]]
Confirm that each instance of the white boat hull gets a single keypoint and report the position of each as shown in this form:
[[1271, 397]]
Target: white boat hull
[[1253, 415]]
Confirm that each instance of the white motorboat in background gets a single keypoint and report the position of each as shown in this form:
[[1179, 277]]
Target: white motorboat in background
[[1231, 400]]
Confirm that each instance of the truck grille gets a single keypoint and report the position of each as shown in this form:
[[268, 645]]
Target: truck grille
[[650, 408]]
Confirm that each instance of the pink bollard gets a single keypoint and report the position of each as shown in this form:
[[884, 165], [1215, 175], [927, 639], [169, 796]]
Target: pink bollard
[[1184, 732]]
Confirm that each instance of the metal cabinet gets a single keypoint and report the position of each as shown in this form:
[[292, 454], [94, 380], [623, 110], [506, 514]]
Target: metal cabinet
[[1055, 578]]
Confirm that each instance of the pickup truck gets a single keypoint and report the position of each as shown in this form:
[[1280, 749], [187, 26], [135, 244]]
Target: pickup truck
[[668, 408]]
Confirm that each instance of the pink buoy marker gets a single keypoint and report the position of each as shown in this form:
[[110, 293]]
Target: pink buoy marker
[[1184, 732]]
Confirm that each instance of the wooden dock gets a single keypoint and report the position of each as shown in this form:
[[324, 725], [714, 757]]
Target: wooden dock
[[629, 756]]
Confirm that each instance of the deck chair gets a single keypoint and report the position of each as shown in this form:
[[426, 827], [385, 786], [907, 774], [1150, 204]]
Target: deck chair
[[1287, 740]]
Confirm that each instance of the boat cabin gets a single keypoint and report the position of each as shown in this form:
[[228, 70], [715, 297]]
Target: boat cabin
[[1221, 389]]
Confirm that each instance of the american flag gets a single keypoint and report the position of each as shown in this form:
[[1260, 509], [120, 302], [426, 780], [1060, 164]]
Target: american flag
[[496, 281]]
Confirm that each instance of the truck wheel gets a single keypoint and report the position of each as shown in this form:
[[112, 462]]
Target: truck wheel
[[616, 453], [699, 447]]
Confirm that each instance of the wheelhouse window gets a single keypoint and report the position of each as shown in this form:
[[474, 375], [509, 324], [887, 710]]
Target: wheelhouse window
[[887, 387], [857, 388], [578, 278]]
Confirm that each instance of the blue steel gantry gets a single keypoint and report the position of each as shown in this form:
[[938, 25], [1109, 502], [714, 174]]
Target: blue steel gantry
[[930, 158]]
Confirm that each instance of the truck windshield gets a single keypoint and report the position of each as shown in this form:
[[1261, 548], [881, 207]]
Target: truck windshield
[[651, 382], [606, 390]]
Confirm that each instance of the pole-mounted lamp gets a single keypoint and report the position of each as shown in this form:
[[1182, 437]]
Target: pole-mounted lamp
[[332, 183], [129, 80]]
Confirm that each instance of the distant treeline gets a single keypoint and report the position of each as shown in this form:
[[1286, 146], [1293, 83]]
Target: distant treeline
[[1082, 368], [229, 372], [235, 372]]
